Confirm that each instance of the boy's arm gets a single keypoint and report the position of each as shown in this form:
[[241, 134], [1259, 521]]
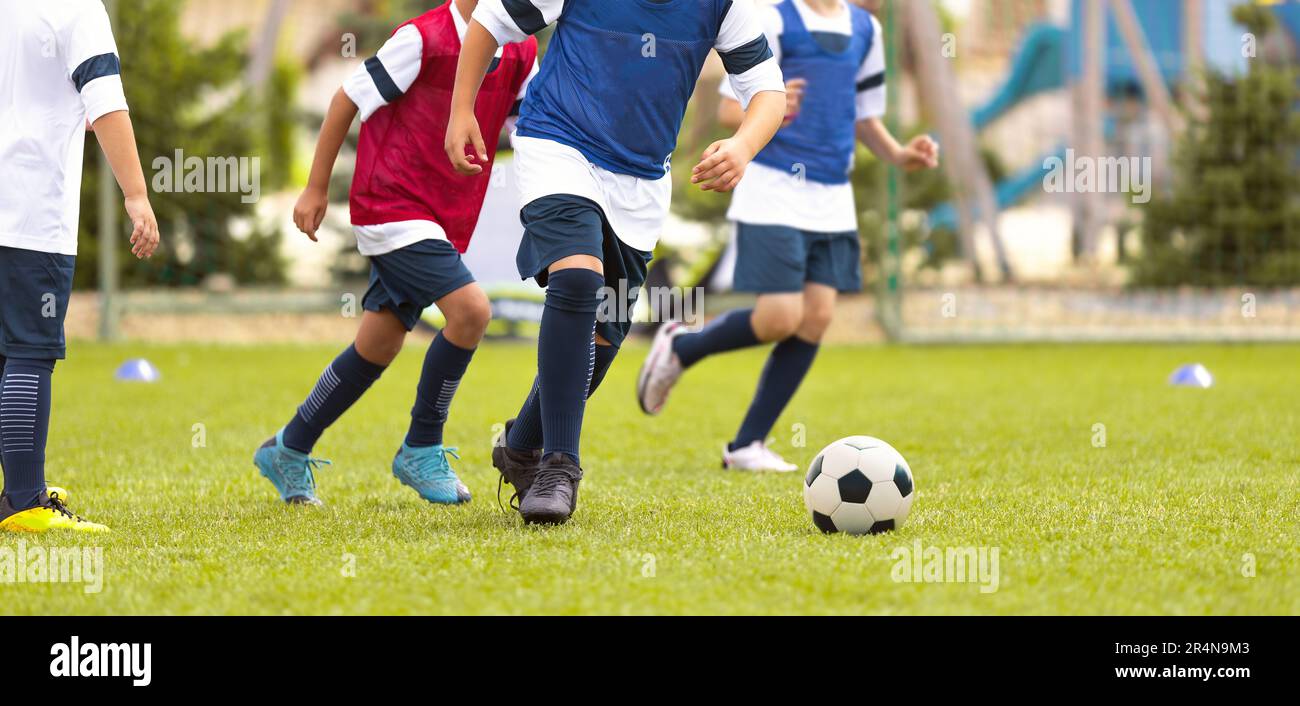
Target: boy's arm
[[463, 129], [117, 140], [383, 79], [725, 161], [872, 99], [89, 53], [921, 153], [493, 24], [309, 212], [755, 81]]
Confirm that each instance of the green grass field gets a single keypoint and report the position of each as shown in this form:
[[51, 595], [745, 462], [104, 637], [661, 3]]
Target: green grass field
[[1001, 440]]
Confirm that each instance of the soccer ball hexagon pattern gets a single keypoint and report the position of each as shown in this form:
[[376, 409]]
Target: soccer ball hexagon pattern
[[859, 485]]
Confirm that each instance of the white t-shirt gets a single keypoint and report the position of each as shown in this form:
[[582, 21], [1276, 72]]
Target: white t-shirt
[[58, 69], [396, 65], [769, 196]]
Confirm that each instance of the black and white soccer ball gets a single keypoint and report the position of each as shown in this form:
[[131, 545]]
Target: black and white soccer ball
[[859, 485]]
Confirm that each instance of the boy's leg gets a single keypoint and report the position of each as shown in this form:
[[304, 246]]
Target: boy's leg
[[565, 354], [786, 367], [467, 311], [285, 458], [833, 265], [32, 310], [433, 272], [565, 248], [526, 428], [347, 378], [771, 262], [24, 428]]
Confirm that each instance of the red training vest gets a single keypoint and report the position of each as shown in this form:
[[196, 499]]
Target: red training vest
[[402, 171]]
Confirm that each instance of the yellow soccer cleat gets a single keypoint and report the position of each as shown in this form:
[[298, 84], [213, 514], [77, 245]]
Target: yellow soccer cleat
[[51, 515], [57, 493]]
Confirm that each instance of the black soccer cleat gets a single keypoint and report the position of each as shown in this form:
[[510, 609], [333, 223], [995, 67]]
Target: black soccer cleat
[[554, 493], [518, 468]]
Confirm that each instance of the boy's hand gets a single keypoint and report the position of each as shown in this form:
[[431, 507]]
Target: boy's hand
[[144, 226], [794, 90], [309, 212], [723, 165], [921, 153], [462, 132]]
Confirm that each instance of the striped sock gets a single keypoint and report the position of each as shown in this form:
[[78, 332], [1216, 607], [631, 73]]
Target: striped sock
[[566, 356], [24, 427], [729, 332], [444, 366], [526, 432], [340, 386]]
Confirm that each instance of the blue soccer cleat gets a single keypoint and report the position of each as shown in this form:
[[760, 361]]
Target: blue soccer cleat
[[427, 471], [291, 472]]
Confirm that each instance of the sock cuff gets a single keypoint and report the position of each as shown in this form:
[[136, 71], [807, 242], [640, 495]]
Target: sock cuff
[[448, 358], [575, 289], [352, 367], [796, 343], [31, 364]]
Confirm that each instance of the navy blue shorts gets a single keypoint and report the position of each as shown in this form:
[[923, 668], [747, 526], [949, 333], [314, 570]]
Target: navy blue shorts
[[779, 259], [34, 292], [408, 280], [556, 227]]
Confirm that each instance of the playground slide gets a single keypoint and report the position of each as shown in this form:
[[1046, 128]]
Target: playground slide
[[1039, 67]]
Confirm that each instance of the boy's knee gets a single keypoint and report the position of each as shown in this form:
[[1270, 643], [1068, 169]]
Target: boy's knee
[[575, 289], [778, 323], [380, 350], [816, 321], [477, 313]]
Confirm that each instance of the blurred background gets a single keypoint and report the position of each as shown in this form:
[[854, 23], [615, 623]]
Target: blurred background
[[1113, 170]]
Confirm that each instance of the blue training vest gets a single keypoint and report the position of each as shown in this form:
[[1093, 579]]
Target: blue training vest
[[617, 78], [821, 141]]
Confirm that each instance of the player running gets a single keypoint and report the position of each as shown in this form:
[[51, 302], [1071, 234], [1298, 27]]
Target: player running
[[59, 71], [592, 154], [796, 222], [413, 217]]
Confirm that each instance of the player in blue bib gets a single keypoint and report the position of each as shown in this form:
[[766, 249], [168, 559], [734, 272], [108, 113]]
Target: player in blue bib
[[797, 243], [592, 149]]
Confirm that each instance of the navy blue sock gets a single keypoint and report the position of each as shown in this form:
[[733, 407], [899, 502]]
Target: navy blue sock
[[526, 432], [786, 367], [566, 360], [339, 387], [728, 332], [444, 366], [24, 428]]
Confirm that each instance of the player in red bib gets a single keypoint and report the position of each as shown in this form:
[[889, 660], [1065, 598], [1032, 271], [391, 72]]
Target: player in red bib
[[413, 217]]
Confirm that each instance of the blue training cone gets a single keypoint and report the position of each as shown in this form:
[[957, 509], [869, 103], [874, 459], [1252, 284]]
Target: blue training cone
[[1192, 375], [137, 370]]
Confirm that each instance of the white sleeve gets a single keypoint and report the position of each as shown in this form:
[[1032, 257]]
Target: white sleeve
[[746, 53], [872, 94], [388, 74], [773, 26], [516, 20], [90, 58]]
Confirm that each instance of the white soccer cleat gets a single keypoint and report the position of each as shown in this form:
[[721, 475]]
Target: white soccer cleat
[[755, 457], [661, 369]]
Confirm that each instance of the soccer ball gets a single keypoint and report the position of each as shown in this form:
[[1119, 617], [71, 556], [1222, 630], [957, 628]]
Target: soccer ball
[[859, 485]]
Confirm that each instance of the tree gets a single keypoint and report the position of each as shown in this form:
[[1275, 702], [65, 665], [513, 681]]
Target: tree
[[1233, 216], [193, 99]]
